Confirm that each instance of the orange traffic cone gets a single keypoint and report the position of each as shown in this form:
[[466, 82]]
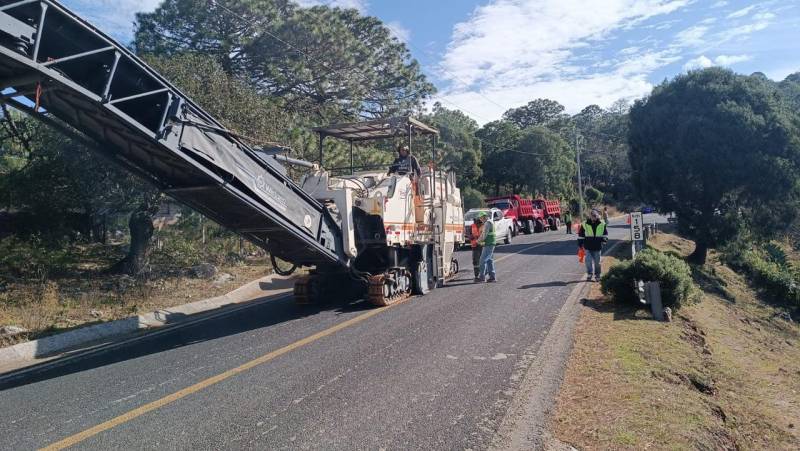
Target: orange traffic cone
[[628, 220], [581, 255]]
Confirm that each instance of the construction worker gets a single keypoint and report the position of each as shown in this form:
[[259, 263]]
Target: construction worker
[[592, 235], [405, 163], [488, 241], [475, 233], [568, 221]]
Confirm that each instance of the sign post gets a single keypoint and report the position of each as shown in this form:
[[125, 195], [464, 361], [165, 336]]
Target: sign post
[[637, 232]]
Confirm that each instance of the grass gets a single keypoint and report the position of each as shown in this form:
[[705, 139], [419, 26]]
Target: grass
[[725, 374]]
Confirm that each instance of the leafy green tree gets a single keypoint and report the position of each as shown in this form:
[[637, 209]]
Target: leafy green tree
[[63, 188], [15, 145], [790, 89], [719, 149], [535, 160], [546, 163], [593, 196], [472, 198], [604, 149], [539, 112], [327, 63], [498, 138], [458, 149], [229, 99]]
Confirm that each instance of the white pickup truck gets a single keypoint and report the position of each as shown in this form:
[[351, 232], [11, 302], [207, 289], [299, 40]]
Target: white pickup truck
[[503, 227]]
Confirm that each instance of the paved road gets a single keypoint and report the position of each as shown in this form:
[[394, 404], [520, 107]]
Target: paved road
[[434, 372]]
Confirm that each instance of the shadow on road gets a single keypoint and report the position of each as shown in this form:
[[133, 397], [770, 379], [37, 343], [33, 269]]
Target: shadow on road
[[555, 283], [256, 317]]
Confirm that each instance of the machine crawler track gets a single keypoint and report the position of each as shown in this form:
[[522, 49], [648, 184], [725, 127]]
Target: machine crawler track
[[302, 291], [389, 288]]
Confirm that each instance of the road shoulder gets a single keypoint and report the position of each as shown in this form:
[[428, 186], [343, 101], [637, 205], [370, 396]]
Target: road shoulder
[[524, 424]]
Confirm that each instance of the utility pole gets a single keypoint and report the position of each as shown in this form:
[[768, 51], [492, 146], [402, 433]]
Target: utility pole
[[580, 183]]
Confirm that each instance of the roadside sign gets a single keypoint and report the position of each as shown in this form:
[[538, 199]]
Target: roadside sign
[[637, 229]]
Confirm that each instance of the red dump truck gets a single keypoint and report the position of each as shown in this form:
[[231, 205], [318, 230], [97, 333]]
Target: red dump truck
[[528, 215], [552, 212]]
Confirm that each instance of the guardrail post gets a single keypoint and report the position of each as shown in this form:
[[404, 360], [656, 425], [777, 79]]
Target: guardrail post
[[653, 294]]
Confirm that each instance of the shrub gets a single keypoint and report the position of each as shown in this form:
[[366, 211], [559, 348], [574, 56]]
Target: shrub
[[650, 265], [768, 270], [33, 258], [618, 282], [593, 196]]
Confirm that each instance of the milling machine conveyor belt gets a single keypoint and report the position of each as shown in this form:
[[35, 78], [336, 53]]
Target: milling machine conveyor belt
[[80, 77]]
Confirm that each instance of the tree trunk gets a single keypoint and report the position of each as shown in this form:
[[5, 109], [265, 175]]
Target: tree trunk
[[700, 253], [99, 229], [497, 189], [141, 227]]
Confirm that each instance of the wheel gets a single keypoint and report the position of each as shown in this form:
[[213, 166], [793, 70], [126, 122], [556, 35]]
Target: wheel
[[516, 228], [529, 227], [507, 240], [539, 227], [281, 267], [551, 223]]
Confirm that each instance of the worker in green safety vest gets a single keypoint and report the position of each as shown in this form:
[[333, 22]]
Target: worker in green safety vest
[[568, 221], [591, 237], [488, 240]]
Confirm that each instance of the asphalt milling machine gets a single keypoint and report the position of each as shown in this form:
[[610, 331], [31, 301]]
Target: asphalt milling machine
[[364, 234]]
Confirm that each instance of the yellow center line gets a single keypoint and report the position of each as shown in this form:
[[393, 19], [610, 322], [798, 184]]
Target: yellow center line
[[157, 404]]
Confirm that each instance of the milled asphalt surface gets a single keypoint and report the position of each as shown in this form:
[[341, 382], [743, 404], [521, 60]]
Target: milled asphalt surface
[[434, 372]]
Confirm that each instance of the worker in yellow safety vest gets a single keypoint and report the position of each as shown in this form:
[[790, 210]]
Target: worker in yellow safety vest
[[591, 237]]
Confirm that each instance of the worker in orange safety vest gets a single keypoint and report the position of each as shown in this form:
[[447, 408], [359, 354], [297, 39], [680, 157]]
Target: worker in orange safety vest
[[475, 232]]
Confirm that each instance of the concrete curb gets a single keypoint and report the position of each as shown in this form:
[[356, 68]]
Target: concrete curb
[[47, 346]]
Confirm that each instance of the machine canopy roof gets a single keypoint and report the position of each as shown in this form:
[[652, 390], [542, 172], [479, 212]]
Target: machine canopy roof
[[378, 129]]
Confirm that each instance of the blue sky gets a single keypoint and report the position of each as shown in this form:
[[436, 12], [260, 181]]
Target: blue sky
[[486, 56]]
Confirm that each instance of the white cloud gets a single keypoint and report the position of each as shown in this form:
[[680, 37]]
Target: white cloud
[[517, 50], [720, 4], [114, 17], [700, 62], [402, 33], [629, 50], [360, 5], [729, 60], [741, 13], [692, 36], [703, 61]]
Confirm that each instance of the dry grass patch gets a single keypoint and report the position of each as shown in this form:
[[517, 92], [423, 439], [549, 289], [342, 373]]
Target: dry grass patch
[[66, 302], [724, 375]]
